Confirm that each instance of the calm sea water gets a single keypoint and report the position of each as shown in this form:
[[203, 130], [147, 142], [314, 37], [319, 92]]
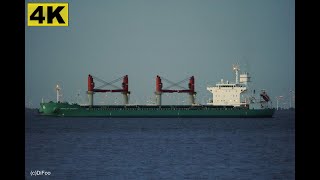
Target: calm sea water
[[210, 148]]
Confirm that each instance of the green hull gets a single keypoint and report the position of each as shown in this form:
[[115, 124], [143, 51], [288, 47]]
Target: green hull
[[75, 110]]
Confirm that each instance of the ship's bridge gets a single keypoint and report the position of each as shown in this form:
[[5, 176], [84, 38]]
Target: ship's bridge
[[229, 94], [230, 85], [226, 94]]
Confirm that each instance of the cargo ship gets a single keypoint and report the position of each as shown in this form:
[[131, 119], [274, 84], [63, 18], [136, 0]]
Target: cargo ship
[[229, 100]]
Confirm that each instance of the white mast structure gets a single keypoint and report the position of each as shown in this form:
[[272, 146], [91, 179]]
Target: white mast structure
[[58, 93], [236, 70]]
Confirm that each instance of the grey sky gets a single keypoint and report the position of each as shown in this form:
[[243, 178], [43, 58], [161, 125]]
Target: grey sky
[[171, 38]]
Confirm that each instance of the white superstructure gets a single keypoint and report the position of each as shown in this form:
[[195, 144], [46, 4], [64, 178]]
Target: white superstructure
[[230, 94]]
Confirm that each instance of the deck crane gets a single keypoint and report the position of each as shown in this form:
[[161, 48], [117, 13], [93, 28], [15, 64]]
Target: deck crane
[[124, 90], [160, 90]]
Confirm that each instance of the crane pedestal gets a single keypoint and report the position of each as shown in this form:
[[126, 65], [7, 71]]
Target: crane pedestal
[[191, 98], [90, 98], [125, 98], [158, 98]]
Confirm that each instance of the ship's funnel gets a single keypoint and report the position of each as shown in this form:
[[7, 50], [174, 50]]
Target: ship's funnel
[[244, 78]]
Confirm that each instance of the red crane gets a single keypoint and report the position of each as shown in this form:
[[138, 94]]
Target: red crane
[[124, 90], [265, 96], [160, 90]]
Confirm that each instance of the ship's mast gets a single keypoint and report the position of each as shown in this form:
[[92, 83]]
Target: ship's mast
[[58, 93], [236, 69]]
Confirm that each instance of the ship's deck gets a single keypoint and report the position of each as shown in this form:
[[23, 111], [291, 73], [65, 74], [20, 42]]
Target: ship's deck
[[162, 107]]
